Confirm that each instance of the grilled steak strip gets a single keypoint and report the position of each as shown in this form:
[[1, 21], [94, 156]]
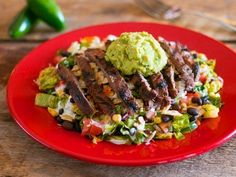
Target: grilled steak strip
[[188, 59], [168, 73], [116, 81], [143, 87], [160, 85], [176, 59], [74, 90], [103, 102]]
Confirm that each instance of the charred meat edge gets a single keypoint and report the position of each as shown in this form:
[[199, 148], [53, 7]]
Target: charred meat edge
[[168, 73], [116, 81], [160, 85], [176, 59], [188, 59], [144, 89], [103, 102], [74, 90]]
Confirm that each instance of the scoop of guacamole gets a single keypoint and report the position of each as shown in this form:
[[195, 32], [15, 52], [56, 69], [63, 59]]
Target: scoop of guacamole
[[136, 52], [48, 78]]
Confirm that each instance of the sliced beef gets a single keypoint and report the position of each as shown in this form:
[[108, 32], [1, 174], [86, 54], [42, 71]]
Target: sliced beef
[[74, 90], [103, 102], [160, 85], [107, 43], [144, 89], [188, 59], [116, 81], [168, 73], [176, 59]]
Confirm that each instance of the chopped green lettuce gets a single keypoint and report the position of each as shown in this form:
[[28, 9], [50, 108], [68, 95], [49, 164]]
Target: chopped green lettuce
[[192, 126], [181, 122], [118, 140], [216, 101], [201, 89], [179, 135], [68, 62], [46, 100]]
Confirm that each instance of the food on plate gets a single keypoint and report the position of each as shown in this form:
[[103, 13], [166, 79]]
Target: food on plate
[[136, 52], [130, 89]]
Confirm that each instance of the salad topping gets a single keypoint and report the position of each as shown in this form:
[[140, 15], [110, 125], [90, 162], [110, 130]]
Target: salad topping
[[91, 89]]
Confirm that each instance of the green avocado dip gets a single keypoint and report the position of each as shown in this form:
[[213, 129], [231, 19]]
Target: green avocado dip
[[48, 78], [136, 52]]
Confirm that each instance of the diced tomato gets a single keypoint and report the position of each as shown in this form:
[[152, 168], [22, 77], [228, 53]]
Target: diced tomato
[[86, 126], [203, 78], [198, 122], [61, 82], [94, 130], [57, 59], [107, 90], [88, 39], [89, 128], [189, 97]]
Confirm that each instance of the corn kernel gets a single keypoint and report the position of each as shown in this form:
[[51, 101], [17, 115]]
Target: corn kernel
[[157, 120], [60, 92], [53, 112], [116, 117]]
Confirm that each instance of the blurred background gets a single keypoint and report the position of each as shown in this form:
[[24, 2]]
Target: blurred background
[[79, 13]]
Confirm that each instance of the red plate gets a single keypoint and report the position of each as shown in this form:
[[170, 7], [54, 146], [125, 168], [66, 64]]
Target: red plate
[[36, 121]]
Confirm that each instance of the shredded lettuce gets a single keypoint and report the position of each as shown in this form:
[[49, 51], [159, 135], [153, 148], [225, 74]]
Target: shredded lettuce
[[211, 64], [110, 128], [68, 62], [201, 89], [216, 101], [192, 126], [129, 122], [181, 122], [118, 140], [179, 135]]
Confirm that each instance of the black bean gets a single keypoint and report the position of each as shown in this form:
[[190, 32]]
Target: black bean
[[166, 118], [192, 111], [72, 100], [196, 70], [204, 99], [77, 125], [64, 53], [197, 100], [192, 118], [67, 125], [58, 119], [185, 49], [194, 55], [132, 131], [61, 111], [66, 90]]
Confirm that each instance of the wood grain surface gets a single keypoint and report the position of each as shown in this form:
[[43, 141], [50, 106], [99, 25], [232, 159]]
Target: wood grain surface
[[22, 156]]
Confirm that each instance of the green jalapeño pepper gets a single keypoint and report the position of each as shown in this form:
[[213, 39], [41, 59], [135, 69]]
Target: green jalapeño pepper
[[22, 24], [49, 12]]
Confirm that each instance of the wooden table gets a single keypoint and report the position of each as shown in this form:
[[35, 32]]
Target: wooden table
[[22, 156]]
